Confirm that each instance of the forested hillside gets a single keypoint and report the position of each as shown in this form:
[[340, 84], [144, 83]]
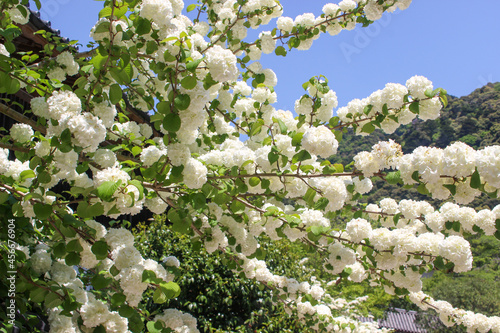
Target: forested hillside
[[473, 119]]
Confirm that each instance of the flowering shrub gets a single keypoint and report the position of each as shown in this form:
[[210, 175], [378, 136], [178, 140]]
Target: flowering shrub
[[230, 167]]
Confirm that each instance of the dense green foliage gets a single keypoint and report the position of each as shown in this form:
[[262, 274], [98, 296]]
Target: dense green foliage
[[220, 299], [224, 301]]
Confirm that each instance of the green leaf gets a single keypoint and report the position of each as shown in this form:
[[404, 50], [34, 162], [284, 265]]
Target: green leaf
[[105, 12], [139, 186], [52, 300], [37, 295], [192, 65], [189, 82], [42, 211], [254, 181], [157, 326], [106, 190], [414, 107], [11, 87], [309, 196], [281, 124], [142, 26], [191, 7], [72, 259], [475, 180], [393, 177], [115, 93], [368, 128], [301, 156], [126, 311], [100, 250], [118, 299], [439, 263], [281, 51], [172, 122], [99, 281], [149, 276], [256, 127], [159, 297], [74, 246], [182, 101], [237, 207], [98, 61], [170, 289], [163, 107], [451, 188], [180, 225], [26, 174], [59, 250], [415, 176], [273, 155]]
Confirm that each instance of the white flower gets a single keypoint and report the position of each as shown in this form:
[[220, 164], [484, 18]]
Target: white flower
[[347, 5], [16, 15], [21, 132], [417, 85], [4, 51], [105, 158], [106, 113], [285, 23], [359, 229], [71, 66], [221, 64], [267, 42], [178, 154], [119, 237], [160, 11], [373, 10], [64, 104], [320, 141], [150, 155], [88, 131], [156, 205], [57, 74], [457, 250]]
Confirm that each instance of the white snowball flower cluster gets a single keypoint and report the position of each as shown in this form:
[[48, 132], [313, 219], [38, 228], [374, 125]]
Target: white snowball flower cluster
[[222, 64], [358, 229], [383, 156], [178, 321], [451, 316], [151, 154], [18, 17], [106, 113], [320, 141], [390, 103], [105, 158], [63, 104], [66, 59], [41, 260], [21, 133], [160, 11], [437, 167]]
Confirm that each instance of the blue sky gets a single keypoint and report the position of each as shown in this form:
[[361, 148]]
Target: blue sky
[[453, 43]]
